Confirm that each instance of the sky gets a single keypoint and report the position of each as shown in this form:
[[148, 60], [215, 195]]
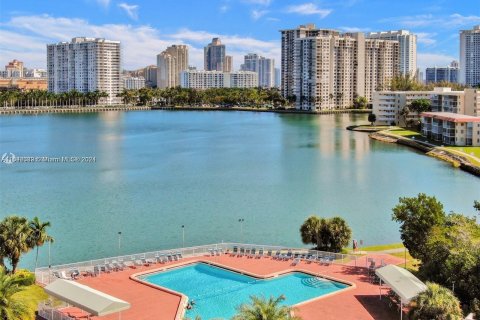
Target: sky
[[146, 27]]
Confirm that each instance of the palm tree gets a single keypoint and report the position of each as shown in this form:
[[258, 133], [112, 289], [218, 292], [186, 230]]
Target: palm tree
[[11, 308], [14, 235], [39, 235], [436, 303], [260, 308], [310, 230]]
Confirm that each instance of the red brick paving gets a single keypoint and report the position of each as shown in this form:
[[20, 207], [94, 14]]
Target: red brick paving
[[147, 303]]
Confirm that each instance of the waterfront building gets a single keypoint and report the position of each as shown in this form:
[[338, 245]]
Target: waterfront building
[[278, 78], [389, 105], [14, 69], [150, 75], [133, 83], [228, 66], [407, 48], [170, 63], [451, 128], [437, 74], [263, 66], [199, 79], [470, 56], [465, 102], [324, 69], [85, 65], [214, 56]]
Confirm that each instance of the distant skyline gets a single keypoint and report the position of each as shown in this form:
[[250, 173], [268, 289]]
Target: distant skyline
[[146, 28]]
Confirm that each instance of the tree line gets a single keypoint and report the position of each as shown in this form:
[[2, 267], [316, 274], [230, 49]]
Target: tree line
[[44, 98], [244, 97]]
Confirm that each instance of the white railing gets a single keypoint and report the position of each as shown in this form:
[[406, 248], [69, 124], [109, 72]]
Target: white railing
[[49, 312], [45, 275]]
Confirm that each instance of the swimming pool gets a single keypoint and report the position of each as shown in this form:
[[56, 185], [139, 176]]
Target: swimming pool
[[217, 291]]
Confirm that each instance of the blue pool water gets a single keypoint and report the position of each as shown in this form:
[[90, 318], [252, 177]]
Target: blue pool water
[[217, 291]]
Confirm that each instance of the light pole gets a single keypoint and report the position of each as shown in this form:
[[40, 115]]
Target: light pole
[[49, 254], [119, 241], [241, 220], [183, 236]]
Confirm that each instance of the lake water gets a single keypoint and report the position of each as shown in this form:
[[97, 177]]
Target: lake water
[[158, 170]]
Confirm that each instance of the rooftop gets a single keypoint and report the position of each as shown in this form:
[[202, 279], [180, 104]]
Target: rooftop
[[450, 116]]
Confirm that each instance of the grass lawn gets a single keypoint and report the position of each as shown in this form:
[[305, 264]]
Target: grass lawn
[[412, 264], [382, 247], [469, 150], [475, 160], [404, 132]]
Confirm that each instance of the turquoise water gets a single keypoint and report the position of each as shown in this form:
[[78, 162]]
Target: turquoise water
[[156, 171], [217, 291]]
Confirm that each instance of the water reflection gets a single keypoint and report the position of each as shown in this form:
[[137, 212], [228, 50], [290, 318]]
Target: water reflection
[[109, 150]]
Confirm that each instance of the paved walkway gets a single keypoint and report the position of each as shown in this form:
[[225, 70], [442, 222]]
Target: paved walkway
[[359, 303]]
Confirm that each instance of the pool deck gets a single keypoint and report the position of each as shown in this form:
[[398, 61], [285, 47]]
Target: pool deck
[[147, 302]]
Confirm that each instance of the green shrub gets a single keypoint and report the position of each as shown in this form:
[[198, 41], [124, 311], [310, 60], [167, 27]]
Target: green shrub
[[25, 277]]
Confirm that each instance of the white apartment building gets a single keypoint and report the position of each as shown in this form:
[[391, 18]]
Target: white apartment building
[[407, 48], [388, 105], [199, 79], [324, 69], [470, 56], [85, 65], [170, 63], [35, 73], [133, 83], [263, 66]]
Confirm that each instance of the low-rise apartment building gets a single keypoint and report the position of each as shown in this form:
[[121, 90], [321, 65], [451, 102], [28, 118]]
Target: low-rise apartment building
[[451, 128], [388, 106]]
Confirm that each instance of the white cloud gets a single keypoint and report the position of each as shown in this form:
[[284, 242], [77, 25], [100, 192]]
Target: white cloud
[[411, 21], [259, 2], [257, 14], [130, 9], [20, 38], [223, 8], [104, 3], [425, 60], [354, 29], [451, 21], [309, 9], [459, 20], [426, 38]]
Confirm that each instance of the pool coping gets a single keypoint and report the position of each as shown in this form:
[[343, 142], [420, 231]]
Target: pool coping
[[182, 307]]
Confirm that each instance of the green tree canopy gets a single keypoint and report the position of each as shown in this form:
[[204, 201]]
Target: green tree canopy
[[261, 308], [420, 105], [372, 118], [11, 306], [14, 239], [326, 234], [453, 257], [436, 303], [360, 103], [417, 216]]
